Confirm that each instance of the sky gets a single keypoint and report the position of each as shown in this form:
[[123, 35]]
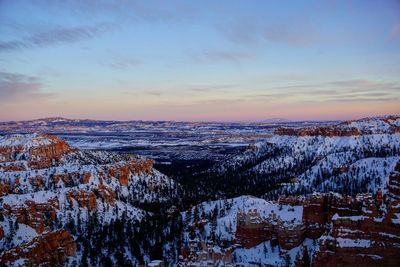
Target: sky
[[199, 60]]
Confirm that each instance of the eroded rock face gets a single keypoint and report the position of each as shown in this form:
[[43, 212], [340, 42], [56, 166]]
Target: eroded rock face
[[85, 199], [5, 188], [37, 182], [41, 250], [9, 153], [68, 179], [13, 167], [39, 151], [59, 184], [319, 209], [36, 215], [134, 167], [290, 237], [362, 241], [369, 238], [252, 229], [106, 194], [364, 230], [47, 155], [86, 178]]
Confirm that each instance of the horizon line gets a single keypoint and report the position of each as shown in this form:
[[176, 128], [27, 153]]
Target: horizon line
[[267, 120]]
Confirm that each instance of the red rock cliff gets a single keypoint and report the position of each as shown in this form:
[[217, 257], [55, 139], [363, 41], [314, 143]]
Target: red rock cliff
[[134, 167], [44, 156], [41, 250]]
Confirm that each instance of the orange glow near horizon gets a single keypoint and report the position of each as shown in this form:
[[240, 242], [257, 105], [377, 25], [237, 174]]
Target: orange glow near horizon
[[136, 109]]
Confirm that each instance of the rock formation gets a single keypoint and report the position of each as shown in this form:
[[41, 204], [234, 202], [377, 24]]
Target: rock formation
[[49, 249], [62, 188]]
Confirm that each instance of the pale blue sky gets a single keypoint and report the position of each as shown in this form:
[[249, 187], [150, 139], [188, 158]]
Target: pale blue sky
[[199, 60]]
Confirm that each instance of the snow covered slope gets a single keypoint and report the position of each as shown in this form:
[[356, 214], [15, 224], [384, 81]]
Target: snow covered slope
[[321, 159], [48, 187], [333, 201], [321, 229]]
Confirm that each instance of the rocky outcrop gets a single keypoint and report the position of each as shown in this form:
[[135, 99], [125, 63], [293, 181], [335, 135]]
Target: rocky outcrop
[[345, 217], [252, 229], [83, 198], [106, 194], [39, 151], [68, 179], [290, 200], [360, 240], [37, 182], [48, 155], [9, 153], [50, 249], [5, 188], [200, 251], [134, 167], [388, 125], [13, 167], [320, 131], [86, 177], [36, 215], [369, 238], [319, 209], [60, 188], [286, 131], [290, 236]]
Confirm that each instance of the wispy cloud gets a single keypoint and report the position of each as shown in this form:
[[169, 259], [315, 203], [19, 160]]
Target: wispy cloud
[[296, 36], [213, 56], [342, 90], [209, 88], [245, 32], [122, 63], [55, 36], [361, 99], [19, 87], [218, 101], [142, 92], [251, 31]]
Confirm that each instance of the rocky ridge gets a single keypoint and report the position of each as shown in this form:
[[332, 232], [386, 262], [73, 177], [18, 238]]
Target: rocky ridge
[[333, 200], [48, 188], [299, 164], [329, 229], [379, 125]]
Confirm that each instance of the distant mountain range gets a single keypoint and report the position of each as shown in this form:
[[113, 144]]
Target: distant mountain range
[[164, 140], [276, 120], [63, 125]]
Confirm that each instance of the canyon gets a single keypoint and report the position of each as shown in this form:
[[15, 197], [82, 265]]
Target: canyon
[[325, 195]]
